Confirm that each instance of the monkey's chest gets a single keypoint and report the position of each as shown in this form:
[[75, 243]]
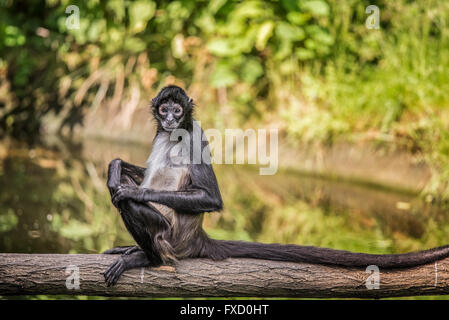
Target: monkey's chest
[[164, 172], [166, 179]]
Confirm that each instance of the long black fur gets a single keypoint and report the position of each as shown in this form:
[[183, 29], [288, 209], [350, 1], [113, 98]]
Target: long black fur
[[158, 243]]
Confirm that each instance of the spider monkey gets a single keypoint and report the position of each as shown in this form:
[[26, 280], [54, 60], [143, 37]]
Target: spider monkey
[[162, 206]]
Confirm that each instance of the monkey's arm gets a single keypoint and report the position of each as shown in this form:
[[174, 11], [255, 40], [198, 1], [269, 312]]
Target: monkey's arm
[[201, 195], [120, 171], [123, 173], [135, 172]]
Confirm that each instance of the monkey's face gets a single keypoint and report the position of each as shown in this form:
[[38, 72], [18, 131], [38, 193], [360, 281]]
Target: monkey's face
[[170, 115]]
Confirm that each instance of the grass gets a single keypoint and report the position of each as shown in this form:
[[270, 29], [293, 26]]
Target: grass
[[395, 87]]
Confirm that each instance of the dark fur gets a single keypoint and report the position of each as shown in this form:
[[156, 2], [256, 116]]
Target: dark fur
[[164, 240], [178, 95]]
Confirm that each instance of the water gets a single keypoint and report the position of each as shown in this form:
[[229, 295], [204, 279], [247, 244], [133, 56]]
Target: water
[[53, 199]]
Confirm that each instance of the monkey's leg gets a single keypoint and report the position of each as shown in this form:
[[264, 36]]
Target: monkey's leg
[[147, 226], [137, 259], [121, 172], [150, 230], [122, 250]]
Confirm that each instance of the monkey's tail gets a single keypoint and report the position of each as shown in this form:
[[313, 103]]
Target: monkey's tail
[[316, 255]]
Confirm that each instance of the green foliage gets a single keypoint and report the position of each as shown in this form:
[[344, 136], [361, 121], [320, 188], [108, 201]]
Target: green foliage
[[40, 50], [140, 12], [8, 221], [12, 36], [265, 59]]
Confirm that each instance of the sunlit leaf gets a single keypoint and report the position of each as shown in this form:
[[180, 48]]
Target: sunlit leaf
[[316, 7], [291, 32], [118, 7], [249, 9], [96, 28], [215, 5], [140, 12], [177, 46], [221, 47], [264, 33], [298, 17]]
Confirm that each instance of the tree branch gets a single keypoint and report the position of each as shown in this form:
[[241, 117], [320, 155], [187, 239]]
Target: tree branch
[[22, 274]]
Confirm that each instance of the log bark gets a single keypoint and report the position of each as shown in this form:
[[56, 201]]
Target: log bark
[[49, 274]]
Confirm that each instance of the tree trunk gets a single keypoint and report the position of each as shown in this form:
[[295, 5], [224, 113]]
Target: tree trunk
[[50, 274]]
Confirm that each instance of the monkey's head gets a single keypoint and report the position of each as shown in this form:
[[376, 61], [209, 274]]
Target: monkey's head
[[172, 108]]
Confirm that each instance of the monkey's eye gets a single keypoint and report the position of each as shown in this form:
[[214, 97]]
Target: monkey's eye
[[178, 111], [163, 110]]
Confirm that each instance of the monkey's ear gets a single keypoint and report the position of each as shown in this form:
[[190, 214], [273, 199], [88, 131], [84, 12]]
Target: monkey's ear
[[191, 101]]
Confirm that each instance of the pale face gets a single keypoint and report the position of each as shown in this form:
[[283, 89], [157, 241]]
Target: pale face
[[171, 115]]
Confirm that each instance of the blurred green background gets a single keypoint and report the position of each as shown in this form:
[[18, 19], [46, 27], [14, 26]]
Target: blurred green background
[[363, 116]]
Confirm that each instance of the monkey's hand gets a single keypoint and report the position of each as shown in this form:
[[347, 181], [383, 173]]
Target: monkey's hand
[[128, 193]]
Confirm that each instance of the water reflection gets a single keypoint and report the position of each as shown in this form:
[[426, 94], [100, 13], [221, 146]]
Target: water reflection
[[53, 199]]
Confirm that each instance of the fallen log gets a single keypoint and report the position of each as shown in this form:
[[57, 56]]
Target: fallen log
[[81, 274]]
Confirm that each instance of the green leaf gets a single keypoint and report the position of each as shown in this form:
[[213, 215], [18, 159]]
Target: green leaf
[[251, 71], [134, 44], [223, 76], [316, 7], [284, 50], [8, 221], [221, 47], [287, 31], [97, 28], [140, 12], [319, 34], [249, 9], [324, 38], [298, 17], [264, 33], [118, 8], [13, 36], [304, 54], [215, 5]]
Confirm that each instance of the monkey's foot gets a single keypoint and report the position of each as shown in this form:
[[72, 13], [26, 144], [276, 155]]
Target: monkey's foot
[[114, 271], [122, 250], [136, 259]]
